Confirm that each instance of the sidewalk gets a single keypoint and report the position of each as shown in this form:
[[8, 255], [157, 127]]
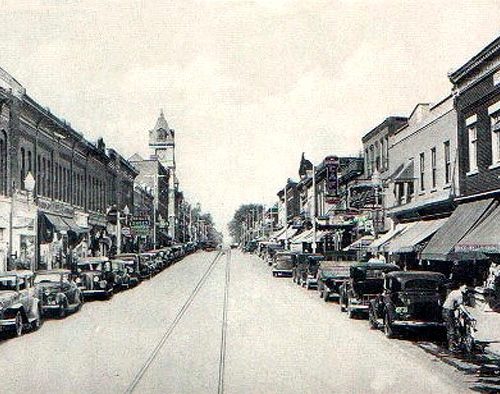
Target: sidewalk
[[488, 325]]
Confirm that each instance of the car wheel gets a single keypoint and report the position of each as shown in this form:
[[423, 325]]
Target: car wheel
[[37, 323], [388, 329], [19, 324], [342, 305], [326, 296], [350, 311], [62, 311], [321, 293], [371, 319]]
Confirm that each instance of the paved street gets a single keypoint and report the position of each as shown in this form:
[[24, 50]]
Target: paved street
[[280, 339]]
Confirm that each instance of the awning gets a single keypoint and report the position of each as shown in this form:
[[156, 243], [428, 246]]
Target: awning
[[380, 243], [361, 244], [459, 224], [57, 222], [485, 237], [407, 241], [276, 233], [74, 227], [290, 232], [302, 237]]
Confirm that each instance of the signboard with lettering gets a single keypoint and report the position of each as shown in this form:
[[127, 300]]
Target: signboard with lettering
[[332, 179], [140, 226]]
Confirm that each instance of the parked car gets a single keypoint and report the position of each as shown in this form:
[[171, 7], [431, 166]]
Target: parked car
[[57, 292], [20, 307], [365, 283], [331, 275], [121, 276], [149, 258], [270, 251], [410, 300], [283, 263], [306, 268], [95, 277], [136, 271]]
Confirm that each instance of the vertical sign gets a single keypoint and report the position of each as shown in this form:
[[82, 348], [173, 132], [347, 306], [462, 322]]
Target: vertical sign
[[332, 179]]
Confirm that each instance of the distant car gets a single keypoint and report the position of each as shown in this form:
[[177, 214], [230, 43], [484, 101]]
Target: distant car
[[330, 278], [149, 258], [306, 268], [283, 263], [136, 272], [57, 292], [364, 284], [20, 307], [121, 276], [270, 251], [410, 300], [95, 277]]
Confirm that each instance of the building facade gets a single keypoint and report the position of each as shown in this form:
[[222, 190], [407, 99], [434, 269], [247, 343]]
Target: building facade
[[56, 187]]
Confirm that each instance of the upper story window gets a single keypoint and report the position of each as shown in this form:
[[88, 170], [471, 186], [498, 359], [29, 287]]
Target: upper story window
[[472, 133], [433, 167], [447, 162], [494, 112], [422, 171]]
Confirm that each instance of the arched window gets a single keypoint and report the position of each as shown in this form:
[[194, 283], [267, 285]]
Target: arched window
[[22, 174], [43, 183]]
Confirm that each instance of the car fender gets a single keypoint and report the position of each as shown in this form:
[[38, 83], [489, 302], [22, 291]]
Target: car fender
[[12, 310], [33, 313]]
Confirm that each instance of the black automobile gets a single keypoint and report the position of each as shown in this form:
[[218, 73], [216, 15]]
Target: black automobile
[[58, 293], [283, 263], [366, 281], [331, 276], [410, 300], [270, 251], [306, 269], [149, 258], [136, 271], [121, 277], [95, 277]]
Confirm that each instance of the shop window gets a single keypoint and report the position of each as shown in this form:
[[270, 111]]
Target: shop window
[[3, 162], [410, 192]]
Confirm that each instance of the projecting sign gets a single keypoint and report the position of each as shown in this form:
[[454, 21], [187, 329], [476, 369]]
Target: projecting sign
[[332, 180]]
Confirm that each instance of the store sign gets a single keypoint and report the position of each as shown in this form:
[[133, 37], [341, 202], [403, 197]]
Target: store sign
[[140, 226], [332, 179]]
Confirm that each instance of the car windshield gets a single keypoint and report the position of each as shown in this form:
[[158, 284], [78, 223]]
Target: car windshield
[[7, 283], [421, 284], [284, 257], [336, 271], [374, 273], [41, 278], [87, 266]]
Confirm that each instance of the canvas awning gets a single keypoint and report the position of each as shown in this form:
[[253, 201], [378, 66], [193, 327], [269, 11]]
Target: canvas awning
[[485, 237], [380, 243], [407, 241], [302, 237], [288, 233], [361, 244], [57, 222], [73, 226], [459, 224]]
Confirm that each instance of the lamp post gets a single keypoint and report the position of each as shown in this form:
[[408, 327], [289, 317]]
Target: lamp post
[[29, 185]]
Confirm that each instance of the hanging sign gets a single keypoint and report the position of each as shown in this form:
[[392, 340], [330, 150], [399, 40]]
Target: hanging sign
[[332, 179]]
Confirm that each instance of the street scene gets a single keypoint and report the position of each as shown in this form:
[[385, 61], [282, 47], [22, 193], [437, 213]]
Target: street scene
[[267, 196], [263, 320]]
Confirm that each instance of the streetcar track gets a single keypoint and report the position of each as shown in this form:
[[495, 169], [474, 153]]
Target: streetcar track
[[223, 345], [142, 371]]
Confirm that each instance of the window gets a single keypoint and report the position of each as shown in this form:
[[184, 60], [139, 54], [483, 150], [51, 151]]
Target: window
[[386, 160], [377, 156], [410, 192], [367, 162], [422, 171], [447, 162], [372, 159], [23, 167], [472, 131], [495, 137], [433, 167], [3, 162]]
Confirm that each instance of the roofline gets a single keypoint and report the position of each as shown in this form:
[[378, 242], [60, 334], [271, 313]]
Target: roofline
[[485, 53], [368, 135]]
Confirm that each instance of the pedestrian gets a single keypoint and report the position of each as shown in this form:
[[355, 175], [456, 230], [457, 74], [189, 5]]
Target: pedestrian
[[453, 301]]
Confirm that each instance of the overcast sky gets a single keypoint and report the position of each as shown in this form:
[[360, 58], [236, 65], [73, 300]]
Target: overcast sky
[[247, 85]]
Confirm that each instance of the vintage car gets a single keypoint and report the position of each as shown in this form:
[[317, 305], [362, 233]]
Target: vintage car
[[58, 293], [95, 277], [149, 258], [283, 263], [331, 276], [410, 300], [306, 268], [270, 251], [20, 307], [366, 281], [136, 270], [121, 276]]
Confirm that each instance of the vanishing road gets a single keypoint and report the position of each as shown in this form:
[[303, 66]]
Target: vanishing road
[[273, 337]]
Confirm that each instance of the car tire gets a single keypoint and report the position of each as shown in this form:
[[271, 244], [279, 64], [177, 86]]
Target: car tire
[[371, 319], [37, 323], [62, 311], [18, 329], [326, 296], [350, 312], [388, 328], [321, 293]]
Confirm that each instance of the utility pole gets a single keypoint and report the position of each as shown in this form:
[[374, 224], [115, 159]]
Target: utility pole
[[314, 209], [286, 216]]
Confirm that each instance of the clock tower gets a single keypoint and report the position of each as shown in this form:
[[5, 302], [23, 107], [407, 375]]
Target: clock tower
[[162, 148]]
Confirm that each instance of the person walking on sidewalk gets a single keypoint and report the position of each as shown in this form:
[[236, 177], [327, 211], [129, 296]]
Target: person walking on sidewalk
[[452, 303]]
